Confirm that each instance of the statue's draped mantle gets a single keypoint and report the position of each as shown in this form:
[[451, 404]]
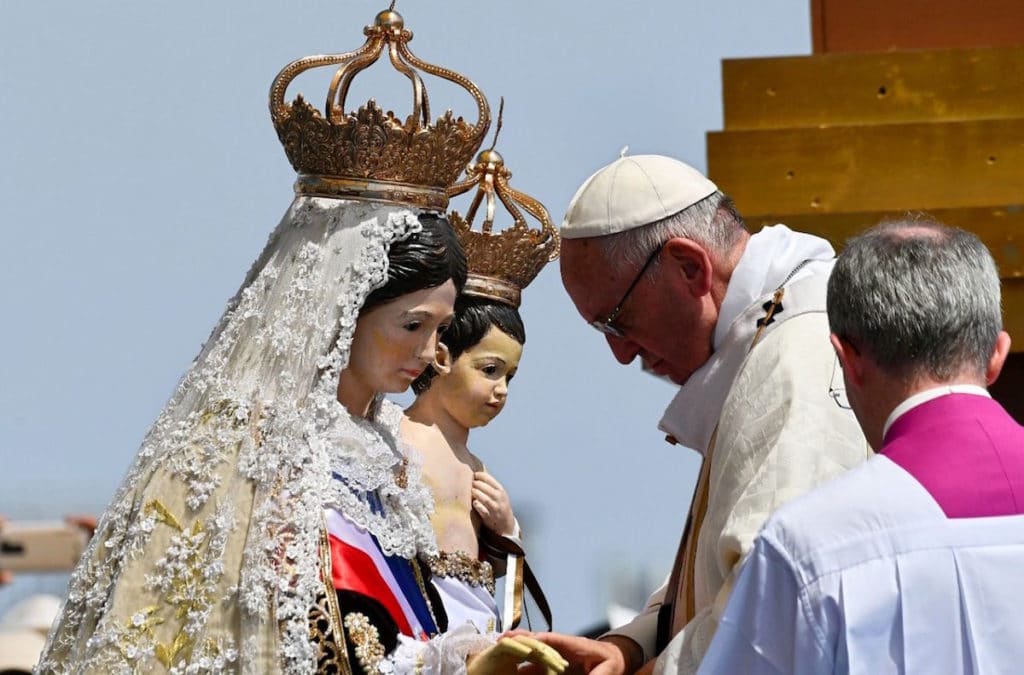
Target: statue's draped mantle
[[207, 559]]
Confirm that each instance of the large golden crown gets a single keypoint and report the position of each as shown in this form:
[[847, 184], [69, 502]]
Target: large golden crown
[[501, 264], [370, 154]]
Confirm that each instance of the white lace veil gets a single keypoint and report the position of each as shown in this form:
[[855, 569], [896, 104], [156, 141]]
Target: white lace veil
[[185, 572]]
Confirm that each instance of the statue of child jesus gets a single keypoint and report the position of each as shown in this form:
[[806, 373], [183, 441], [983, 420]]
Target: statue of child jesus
[[467, 388]]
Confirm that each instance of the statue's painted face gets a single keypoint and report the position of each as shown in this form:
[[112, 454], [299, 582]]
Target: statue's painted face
[[475, 390], [394, 342]]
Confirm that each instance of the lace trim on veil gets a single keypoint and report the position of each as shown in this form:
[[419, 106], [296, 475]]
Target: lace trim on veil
[[246, 449], [366, 458]]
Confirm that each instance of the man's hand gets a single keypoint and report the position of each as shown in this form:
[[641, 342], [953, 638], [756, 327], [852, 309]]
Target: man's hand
[[612, 655], [491, 502], [509, 652], [648, 669]]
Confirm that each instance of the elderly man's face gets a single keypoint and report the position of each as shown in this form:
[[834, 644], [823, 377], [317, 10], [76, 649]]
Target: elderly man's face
[[662, 322]]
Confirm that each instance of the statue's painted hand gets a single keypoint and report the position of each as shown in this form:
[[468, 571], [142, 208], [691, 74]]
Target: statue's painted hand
[[491, 502], [595, 657], [506, 655]]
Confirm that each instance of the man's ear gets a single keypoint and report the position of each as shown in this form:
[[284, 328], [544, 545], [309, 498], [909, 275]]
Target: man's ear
[[694, 263], [850, 359], [998, 358], [442, 360]]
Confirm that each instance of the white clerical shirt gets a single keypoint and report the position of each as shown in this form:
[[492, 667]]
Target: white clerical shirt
[[867, 575]]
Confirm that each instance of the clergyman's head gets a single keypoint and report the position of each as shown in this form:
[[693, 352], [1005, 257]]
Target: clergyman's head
[[920, 298], [914, 304], [647, 248]]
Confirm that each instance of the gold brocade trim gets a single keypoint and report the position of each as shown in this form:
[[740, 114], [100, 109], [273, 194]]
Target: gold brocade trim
[[418, 573], [329, 652], [325, 630], [434, 199], [493, 289], [460, 565], [365, 641], [402, 474]]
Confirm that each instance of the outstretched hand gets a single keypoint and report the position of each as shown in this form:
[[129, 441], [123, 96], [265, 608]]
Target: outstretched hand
[[506, 655]]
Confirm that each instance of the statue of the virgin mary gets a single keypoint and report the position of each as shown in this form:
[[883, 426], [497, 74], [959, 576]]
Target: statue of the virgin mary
[[269, 488]]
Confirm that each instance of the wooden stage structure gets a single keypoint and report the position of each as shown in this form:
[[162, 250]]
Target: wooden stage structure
[[905, 106]]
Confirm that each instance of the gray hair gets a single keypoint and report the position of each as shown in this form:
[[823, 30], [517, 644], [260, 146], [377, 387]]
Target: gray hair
[[712, 222], [919, 297]]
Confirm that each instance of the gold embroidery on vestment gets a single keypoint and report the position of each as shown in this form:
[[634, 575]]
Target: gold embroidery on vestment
[[460, 565], [325, 630], [185, 594], [365, 641]]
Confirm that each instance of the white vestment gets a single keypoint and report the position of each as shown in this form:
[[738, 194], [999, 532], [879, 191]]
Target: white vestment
[[779, 432], [867, 575]]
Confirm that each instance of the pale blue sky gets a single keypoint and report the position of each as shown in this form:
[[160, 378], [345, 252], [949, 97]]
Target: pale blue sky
[[140, 176]]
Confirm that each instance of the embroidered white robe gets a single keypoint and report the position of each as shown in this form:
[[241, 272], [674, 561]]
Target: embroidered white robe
[[779, 431]]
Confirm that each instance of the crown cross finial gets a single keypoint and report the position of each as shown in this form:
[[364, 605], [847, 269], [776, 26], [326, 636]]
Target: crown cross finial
[[501, 264], [497, 127], [367, 153]]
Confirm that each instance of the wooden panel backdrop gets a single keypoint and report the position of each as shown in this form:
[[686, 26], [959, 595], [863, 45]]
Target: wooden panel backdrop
[[833, 143]]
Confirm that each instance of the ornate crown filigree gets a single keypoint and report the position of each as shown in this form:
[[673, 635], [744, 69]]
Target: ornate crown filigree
[[370, 154], [501, 264]]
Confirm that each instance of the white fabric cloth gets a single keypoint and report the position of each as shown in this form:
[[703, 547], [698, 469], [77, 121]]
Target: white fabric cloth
[[779, 432], [770, 257], [866, 575], [467, 603], [922, 397]]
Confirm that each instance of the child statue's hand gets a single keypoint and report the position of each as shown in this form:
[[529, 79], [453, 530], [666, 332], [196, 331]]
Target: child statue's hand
[[510, 652], [491, 502]]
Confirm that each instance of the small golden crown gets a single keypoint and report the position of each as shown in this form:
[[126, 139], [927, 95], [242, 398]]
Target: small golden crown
[[501, 264], [369, 154]]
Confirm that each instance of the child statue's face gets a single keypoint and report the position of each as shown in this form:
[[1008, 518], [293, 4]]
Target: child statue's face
[[475, 390], [394, 342]]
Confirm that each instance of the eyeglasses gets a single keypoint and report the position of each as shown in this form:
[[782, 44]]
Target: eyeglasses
[[607, 326], [838, 393]]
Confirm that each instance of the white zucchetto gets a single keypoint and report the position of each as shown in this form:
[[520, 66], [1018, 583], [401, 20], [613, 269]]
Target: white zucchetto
[[633, 191]]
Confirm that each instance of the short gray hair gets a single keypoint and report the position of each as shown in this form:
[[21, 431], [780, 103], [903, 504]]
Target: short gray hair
[[712, 222], [919, 297]]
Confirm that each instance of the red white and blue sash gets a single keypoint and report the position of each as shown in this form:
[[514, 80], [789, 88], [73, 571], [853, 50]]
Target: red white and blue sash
[[358, 564]]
